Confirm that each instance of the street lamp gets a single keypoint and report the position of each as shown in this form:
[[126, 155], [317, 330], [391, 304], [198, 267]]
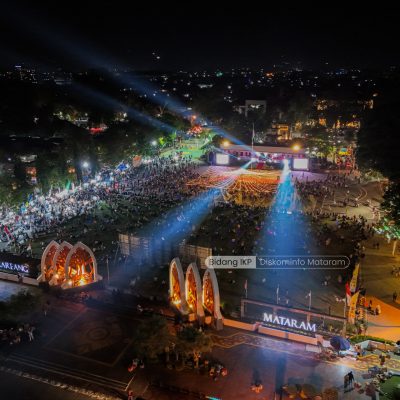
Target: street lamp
[[296, 147], [154, 142], [85, 164], [225, 143]]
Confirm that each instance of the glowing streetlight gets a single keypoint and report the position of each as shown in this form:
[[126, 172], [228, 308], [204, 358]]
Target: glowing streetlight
[[225, 143], [296, 147], [85, 164], [154, 142]]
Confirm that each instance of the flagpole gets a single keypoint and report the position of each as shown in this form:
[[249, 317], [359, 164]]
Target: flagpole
[[252, 148], [277, 295]]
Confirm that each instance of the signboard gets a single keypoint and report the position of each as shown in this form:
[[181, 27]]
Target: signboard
[[15, 264], [289, 322], [290, 319], [12, 267]]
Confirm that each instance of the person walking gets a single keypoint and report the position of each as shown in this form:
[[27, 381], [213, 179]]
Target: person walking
[[351, 379], [394, 297], [30, 334]]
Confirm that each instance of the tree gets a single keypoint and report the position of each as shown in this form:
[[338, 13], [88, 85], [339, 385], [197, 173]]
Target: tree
[[390, 224], [378, 150], [20, 171], [300, 108], [52, 170], [175, 121], [78, 146], [153, 337], [192, 343], [318, 140], [377, 140], [18, 304], [116, 144]]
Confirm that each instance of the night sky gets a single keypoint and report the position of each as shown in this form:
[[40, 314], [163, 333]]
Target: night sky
[[90, 34]]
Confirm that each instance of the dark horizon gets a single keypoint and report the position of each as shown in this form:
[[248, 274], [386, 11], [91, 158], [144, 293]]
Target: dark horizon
[[110, 35]]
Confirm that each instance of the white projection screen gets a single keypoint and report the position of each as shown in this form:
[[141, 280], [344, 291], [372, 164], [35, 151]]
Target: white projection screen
[[300, 163], [221, 159]]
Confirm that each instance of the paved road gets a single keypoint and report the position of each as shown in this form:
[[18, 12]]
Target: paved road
[[377, 278], [273, 368], [17, 388], [246, 356]]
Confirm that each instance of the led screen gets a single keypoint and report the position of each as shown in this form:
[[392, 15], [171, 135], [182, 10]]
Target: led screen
[[222, 159], [300, 163]]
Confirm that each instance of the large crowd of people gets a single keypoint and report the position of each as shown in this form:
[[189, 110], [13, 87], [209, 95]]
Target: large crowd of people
[[147, 189]]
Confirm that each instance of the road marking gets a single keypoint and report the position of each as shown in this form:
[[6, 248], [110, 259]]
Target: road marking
[[75, 374], [364, 195], [60, 366], [59, 385]]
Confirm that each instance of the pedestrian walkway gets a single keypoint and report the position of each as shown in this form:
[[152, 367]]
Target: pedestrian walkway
[[385, 325], [237, 339]]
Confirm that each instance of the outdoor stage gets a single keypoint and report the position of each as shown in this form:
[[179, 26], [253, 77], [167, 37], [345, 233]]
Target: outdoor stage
[[240, 185]]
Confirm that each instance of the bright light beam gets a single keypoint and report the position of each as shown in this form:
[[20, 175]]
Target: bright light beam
[[109, 102]]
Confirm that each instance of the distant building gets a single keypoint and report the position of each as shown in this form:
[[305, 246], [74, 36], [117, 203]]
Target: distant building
[[297, 135], [279, 132], [259, 105]]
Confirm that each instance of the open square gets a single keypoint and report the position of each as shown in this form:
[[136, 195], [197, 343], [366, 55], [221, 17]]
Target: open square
[[94, 335]]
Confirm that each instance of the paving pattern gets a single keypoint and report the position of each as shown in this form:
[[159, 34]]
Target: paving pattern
[[237, 339]]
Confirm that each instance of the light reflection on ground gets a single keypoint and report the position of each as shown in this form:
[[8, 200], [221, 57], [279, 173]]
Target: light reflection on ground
[[9, 288]]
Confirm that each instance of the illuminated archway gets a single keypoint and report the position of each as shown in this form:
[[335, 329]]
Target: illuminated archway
[[211, 299], [177, 286], [193, 291], [46, 264], [80, 266], [59, 263]]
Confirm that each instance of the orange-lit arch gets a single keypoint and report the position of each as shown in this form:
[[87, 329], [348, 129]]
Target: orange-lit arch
[[211, 299], [81, 266], [193, 291], [46, 264], [59, 262], [177, 286]]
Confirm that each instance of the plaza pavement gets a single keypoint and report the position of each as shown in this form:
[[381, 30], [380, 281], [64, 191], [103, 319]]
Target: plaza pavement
[[69, 341], [377, 278]]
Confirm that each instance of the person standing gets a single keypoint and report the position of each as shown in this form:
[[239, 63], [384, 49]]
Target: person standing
[[395, 297], [377, 309], [351, 379]]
